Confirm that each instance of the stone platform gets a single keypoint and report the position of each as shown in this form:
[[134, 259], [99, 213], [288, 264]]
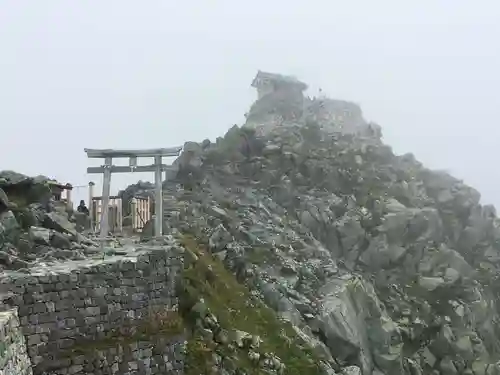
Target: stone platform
[[113, 314]]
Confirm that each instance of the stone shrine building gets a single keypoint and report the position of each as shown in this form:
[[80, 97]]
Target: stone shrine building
[[267, 83]]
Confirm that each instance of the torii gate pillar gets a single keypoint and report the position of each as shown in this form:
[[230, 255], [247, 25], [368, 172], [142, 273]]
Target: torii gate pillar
[[106, 189], [108, 168], [158, 197]]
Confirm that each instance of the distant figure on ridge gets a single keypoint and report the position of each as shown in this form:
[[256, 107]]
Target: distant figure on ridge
[[83, 208]]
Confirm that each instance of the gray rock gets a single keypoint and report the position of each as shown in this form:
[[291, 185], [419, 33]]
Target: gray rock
[[60, 240], [40, 235], [219, 239], [4, 201], [9, 228], [59, 223], [430, 283], [352, 370]]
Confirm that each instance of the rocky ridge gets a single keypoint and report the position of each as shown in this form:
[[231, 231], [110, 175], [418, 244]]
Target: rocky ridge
[[382, 265]]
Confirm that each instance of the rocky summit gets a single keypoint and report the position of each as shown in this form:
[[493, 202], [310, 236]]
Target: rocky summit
[[381, 265], [311, 248]]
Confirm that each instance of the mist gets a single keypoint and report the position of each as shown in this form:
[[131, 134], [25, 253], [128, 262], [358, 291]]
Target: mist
[[124, 74]]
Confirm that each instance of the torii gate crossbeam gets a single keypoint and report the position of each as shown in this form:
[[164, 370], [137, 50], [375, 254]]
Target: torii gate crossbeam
[[108, 168]]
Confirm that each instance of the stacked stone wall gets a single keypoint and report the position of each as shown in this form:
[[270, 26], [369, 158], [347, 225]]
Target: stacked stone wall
[[336, 115], [113, 315], [13, 357]]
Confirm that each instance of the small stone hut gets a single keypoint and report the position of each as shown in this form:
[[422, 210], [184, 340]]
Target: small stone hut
[[267, 83]]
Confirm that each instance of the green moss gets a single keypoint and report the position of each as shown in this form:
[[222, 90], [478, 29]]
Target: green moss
[[198, 356], [19, 200], [236, 309], [23, 194], [160, 325]]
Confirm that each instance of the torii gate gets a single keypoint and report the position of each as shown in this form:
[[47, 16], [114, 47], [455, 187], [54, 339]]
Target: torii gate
[[107, 169]]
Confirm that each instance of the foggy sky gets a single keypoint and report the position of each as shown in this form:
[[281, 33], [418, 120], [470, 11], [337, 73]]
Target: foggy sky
[[156, 73]]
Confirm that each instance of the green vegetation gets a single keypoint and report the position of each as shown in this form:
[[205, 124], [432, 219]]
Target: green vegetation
[[236, 309], [160, 325], [205, 277], [27, 192]]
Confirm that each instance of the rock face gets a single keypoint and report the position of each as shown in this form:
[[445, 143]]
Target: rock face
[[383, 265], [280, 98], [335, 116], [33, 228], [13, 356]]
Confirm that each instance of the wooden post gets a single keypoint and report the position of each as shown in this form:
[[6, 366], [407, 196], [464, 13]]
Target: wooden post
[[106, 187], [133, 212], [120, 215], [68, 197], [158, 197], [91, 205]]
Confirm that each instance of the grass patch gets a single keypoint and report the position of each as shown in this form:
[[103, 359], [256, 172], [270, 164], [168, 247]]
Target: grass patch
[[236, 309]]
